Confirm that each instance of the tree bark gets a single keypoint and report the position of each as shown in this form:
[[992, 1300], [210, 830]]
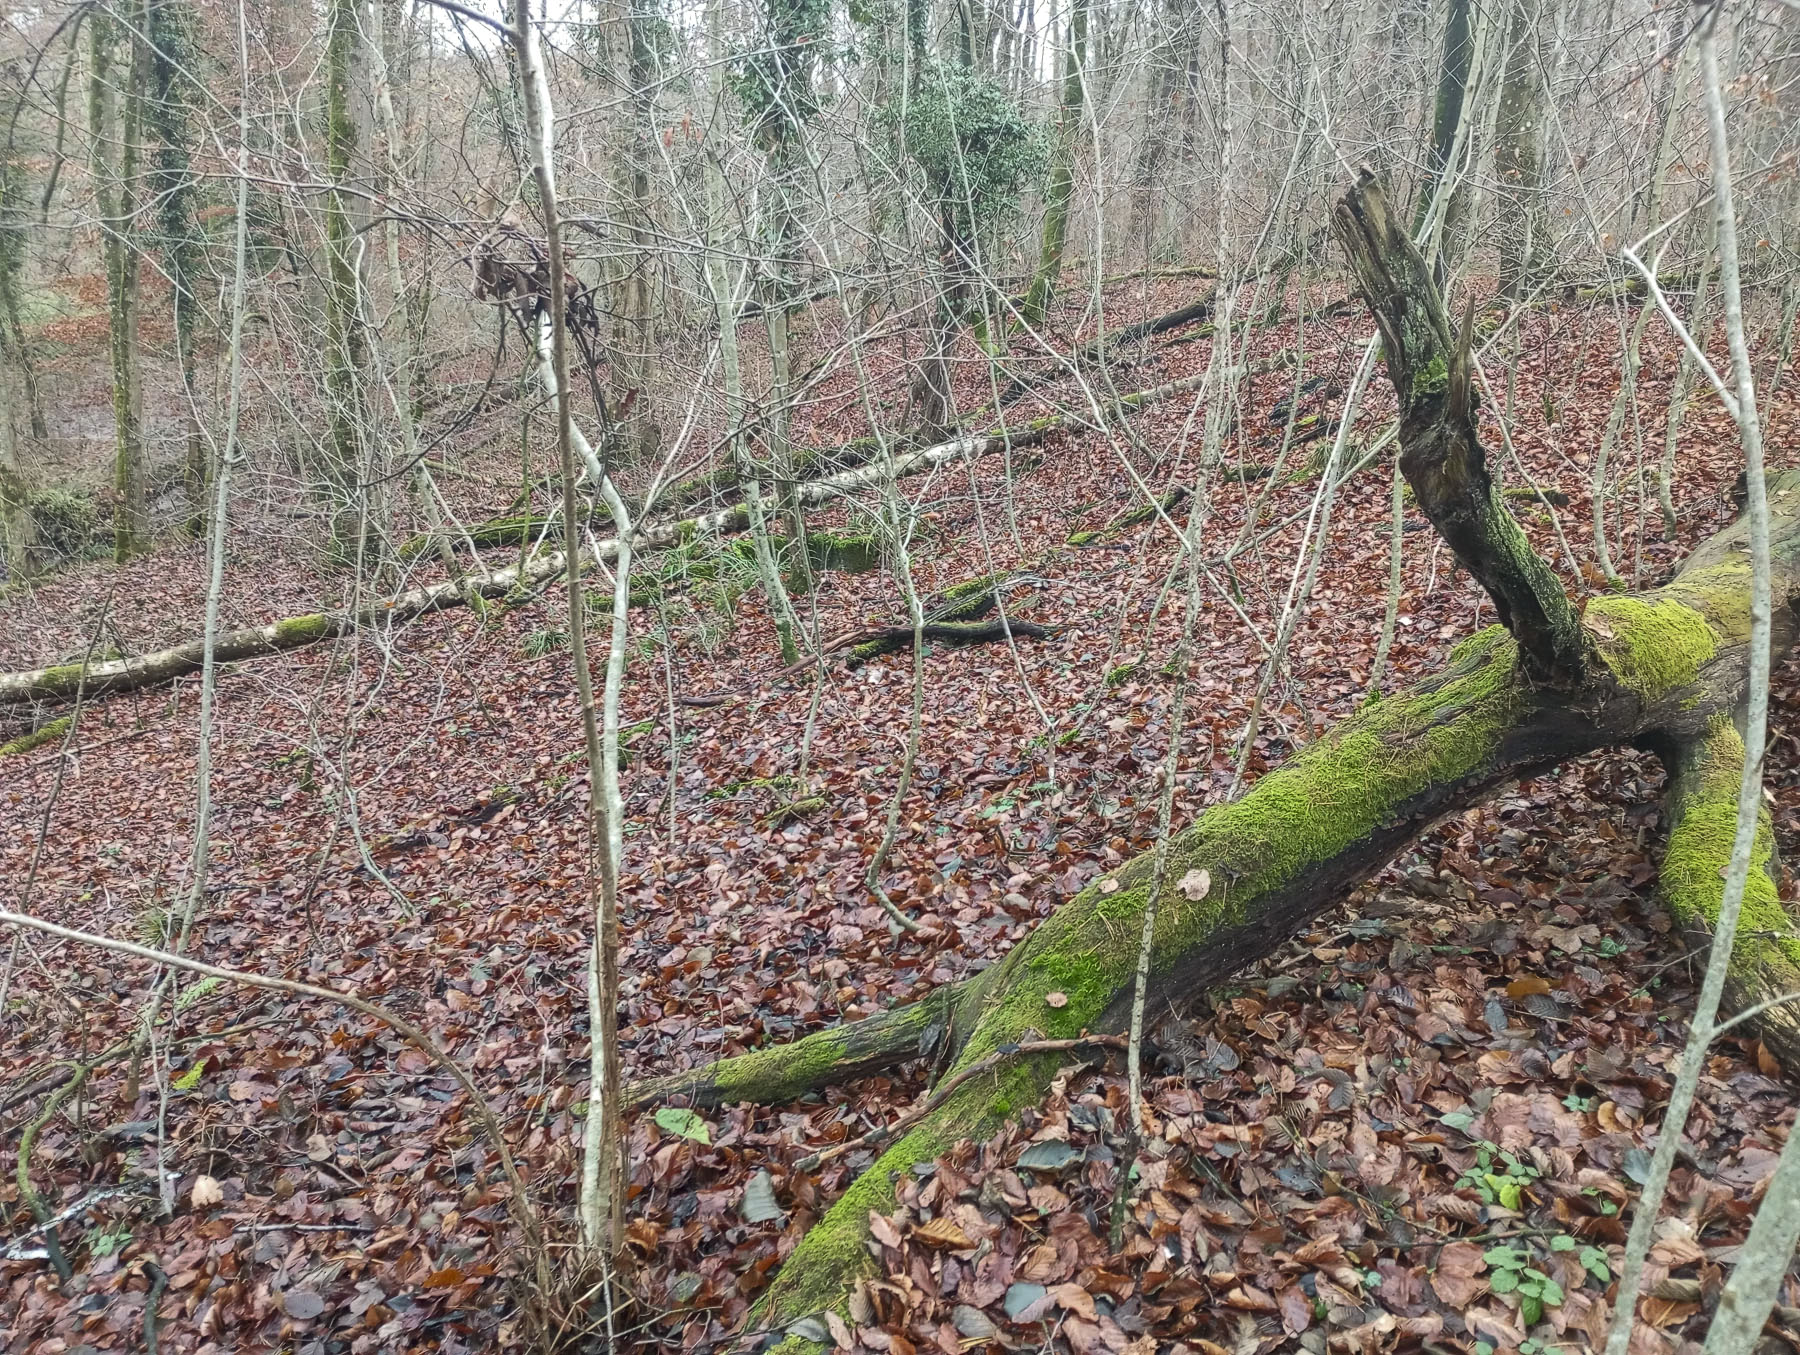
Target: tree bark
[[116, 197], [1062, 173], [1441, 454], [1447, 110], [346, 346], [1518, 152], [175, 190]]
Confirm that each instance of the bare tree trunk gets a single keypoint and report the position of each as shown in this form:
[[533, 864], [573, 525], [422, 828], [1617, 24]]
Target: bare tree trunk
[[18, 531], [1447, 110], [1750, 830], [602, 1197], [1518, 150], [14, 348], [173, 56], [346, 345], [116, 197], [1062, 173], [743, 469], [401, 368]]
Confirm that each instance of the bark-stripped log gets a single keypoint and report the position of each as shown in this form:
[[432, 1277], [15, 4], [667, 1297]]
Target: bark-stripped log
[[60, 683]]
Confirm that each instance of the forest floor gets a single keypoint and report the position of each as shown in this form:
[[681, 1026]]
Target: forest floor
[[1409, 1126]]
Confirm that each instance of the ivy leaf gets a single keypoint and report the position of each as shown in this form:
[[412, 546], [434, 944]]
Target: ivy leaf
[[683, 1122]]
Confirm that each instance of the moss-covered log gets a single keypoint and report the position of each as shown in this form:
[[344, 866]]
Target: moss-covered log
[[60, 682], [514, 529], [45, 733], [1664, 665], [1097, 348], [1704, 775], [1165, 503], [1664, 668], [783, 1072], [892, 639]]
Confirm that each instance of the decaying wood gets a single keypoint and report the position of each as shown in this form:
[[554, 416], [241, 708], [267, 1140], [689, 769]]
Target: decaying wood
[[1441, 453], [951, 618]]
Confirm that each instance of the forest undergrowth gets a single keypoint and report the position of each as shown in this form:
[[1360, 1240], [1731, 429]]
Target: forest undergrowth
[[1417, 1124]]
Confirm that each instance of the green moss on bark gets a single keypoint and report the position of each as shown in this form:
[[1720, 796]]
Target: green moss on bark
[[1700, 843], [844, 552], [37, 738], [1432, 379], [1653, 646], [1720, 592], [300, 630], [967, 600], [1333, 794]]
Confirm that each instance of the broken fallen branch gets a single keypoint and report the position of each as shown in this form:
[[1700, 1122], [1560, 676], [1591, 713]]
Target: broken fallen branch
[[878, 640], [952, 617], [1099, 347]]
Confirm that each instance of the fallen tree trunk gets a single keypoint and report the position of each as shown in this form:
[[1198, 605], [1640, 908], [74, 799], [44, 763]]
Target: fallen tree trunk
[[1663, 668], [1095, 349], [950, 617], [513, 529], [875, 641], [1704, 775], [60, 682]]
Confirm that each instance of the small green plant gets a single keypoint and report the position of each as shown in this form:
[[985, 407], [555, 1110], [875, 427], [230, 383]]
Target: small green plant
[[108, 1240], [1607, 1207], [542, 642], [194, 992], [1513, 1272], [153, 926], [1593, 1260], [1497, 1176], [1578, 1103]]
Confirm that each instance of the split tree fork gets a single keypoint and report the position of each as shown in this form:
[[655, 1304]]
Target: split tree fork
[[1664, 669]]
